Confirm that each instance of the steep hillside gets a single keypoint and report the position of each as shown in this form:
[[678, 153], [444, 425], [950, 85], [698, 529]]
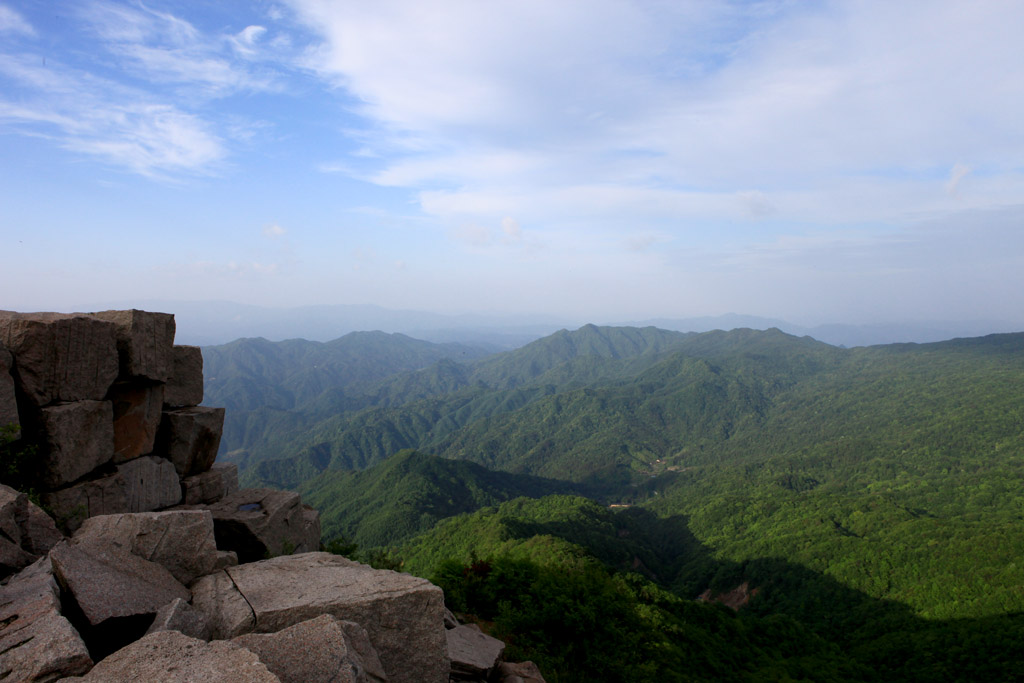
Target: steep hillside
[[409, 493]]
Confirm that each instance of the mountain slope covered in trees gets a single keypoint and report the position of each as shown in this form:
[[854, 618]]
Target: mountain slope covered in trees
[[874, 497]]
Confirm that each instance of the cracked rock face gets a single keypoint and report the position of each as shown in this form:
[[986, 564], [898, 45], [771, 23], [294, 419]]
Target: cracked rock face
[[36, 642], [172, 657], [403, 615], [179, 540], [321, 650]]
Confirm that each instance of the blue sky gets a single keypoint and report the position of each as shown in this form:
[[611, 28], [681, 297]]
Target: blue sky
[[819, 162]]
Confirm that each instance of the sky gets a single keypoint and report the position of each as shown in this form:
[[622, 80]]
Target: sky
[[813, 161]]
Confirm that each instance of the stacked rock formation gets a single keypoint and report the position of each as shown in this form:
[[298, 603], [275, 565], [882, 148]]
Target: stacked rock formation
[[154, 565]]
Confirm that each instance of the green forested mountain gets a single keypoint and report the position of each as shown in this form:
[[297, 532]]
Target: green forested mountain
[[873, 498], [409, 493], [272, 389]]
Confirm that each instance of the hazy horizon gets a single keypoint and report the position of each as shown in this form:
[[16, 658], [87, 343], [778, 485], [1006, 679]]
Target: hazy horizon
[[609, 160]]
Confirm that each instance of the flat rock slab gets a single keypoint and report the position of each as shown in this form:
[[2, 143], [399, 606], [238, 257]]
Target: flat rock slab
[[473, 653], [76, 438], [179, 540], [190, 438], [320, 650], [402, 614], [261, 523], [36, 642], [60, 357], [172, 657], [185, 387], [109, 582], [144, 342]]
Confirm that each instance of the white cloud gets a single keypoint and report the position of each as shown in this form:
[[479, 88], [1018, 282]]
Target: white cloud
[[164, 48], [245, 41], [273, 231], [104, 119], [12, 22], [709, 109]]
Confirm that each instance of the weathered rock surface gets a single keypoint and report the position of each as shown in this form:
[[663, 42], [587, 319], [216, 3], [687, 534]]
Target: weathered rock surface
[[108, 582], [73, 504], [473, 653], [190, 437], [179, 540], [38, 531], [317, 651], [209, 487], [520, 672], [76, 439], [138, 409], [403, 615], [36, 642], [226, 610], [150, 483], [172, 657], [257, 523], [26, 532], [185, 386], [144, 342], [180, 616], [8, 399], [60, 357]]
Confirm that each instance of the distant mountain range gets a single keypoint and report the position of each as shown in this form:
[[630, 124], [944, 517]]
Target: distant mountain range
[[865, 501], [218, 322]]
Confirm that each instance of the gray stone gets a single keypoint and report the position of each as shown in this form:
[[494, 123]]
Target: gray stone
[[26, 532], [226, 610], [519, 672], [144, 342], [151, 483], [179, 540], [38, 531], [211, 486], [13, 557], [226, 558], [172, 657], [185, 387], [180, 616], [76, 439], [473, 653], [36, 642], [60, 357], [72, 505], [258, 523], [315, 651], [138, 409], [8, 399], [190, 437], [108, 582], [403, 615]]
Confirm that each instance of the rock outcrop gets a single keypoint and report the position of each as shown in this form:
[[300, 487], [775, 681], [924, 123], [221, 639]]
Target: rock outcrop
[[165, 570]]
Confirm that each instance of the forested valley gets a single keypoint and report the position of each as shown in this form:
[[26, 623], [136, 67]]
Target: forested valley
[[635, 504]]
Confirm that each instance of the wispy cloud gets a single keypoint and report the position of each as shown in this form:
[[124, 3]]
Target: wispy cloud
[[164, 48], [12, 22], [104, 119]]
